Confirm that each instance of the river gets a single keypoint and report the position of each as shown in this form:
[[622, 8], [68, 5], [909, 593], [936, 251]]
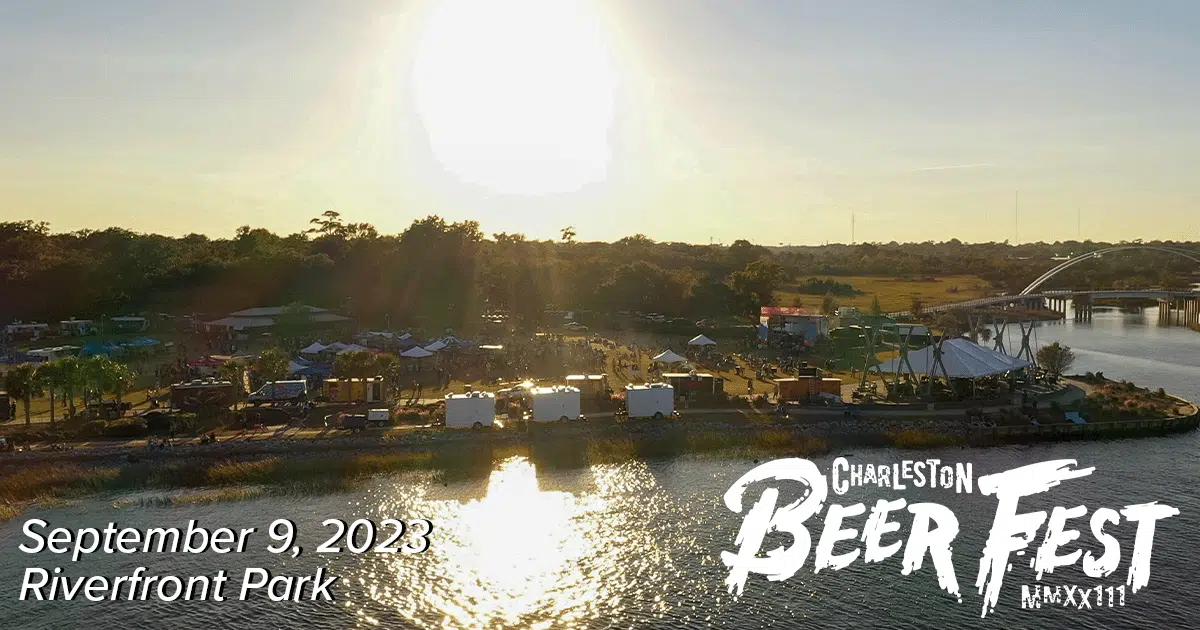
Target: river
[[638, 544]]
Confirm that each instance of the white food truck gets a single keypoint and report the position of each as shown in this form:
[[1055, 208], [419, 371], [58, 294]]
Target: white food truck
[[656, 400], [473, 410], [560, 402]]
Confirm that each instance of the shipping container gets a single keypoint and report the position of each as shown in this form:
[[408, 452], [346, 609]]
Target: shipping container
[[831, 386]]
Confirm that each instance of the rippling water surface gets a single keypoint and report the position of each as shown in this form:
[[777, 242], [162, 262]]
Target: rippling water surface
[[638, 544]]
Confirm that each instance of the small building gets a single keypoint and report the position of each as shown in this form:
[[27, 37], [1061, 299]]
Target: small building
[[473, 410], [794, 321], [692, 382], [263, 318]]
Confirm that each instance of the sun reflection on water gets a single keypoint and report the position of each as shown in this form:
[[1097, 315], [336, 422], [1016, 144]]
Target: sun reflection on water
[[522, 556]]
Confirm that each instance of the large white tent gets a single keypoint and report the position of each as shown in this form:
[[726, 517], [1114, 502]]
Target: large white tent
[[669, 357], [701, 340], [315, 348], [436, 346], [416, 352], [961, 357], [352, 347]]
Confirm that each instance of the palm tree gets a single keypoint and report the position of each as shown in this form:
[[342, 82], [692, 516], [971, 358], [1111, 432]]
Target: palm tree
[[388, 366], [232, 371], [49, 374], [22, 382], [72, 379], [568, 234]]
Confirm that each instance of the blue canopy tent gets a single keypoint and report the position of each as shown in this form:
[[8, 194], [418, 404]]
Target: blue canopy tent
[[95, 348]]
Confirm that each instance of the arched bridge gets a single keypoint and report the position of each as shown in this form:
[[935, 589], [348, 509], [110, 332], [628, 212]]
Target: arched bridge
[[1057, 294], [1189, 301]]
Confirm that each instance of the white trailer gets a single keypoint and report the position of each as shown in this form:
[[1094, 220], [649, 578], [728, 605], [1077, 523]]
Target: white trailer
[[473, 410], [555, 403], [656, 400]]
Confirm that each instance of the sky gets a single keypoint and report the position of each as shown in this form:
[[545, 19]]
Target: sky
[[776, 121]]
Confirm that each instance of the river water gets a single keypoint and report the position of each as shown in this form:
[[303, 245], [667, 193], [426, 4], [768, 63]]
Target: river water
[[638, 544]]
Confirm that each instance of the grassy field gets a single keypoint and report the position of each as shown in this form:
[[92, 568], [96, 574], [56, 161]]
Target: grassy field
[[895, 294]]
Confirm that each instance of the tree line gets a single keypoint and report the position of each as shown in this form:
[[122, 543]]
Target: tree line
[[438, 274]]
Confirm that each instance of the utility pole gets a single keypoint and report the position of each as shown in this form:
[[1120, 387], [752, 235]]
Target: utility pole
[[1079, 224], [852, 241], [1016, 217]]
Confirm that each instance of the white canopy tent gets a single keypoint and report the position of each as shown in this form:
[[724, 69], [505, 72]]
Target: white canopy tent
[[315, 348], [669, 357], [701, 340], [436, 346], [352, 347], [416, 352], [336, 346], [961, 357]]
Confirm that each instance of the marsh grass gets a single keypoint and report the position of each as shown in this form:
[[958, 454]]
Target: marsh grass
[[923, 439], [238, 479]]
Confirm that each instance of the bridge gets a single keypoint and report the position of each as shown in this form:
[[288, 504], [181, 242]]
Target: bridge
[[1180, 307]]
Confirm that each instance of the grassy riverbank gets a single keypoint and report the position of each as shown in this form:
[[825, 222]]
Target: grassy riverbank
[[201, 480]]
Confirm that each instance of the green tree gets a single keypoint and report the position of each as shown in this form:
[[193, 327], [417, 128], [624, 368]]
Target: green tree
[[50, 376], [1056, 359], [293, 322], [758, 282], [916, 307], [360, 364], [829, 305], [271, 365], [73, 380], [876, 307], [233, 372], [387, 365], [22, 383], [568, 234]]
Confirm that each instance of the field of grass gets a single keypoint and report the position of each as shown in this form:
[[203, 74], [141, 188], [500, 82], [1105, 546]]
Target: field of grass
[[895, 294]]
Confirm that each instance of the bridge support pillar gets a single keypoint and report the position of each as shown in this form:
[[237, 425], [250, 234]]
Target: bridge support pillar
[[1083, 311]]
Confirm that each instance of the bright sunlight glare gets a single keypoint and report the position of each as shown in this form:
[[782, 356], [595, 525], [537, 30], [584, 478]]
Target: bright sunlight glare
[[517, 95]]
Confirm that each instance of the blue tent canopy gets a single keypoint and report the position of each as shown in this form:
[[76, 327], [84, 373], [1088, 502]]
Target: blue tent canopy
[[93, 348]]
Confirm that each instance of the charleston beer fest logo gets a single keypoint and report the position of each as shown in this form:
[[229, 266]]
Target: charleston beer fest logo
[[934, 528]]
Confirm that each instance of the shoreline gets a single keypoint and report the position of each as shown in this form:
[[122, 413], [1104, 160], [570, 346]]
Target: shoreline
[[249, 469]]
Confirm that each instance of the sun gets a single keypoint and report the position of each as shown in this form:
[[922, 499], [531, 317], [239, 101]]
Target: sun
[[517, 95]]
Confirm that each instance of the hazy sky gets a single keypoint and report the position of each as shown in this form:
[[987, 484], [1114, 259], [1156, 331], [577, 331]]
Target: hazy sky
[[771, 120]]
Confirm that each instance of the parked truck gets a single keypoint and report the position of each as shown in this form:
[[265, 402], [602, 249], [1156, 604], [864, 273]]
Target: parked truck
[[555, 403], [656, 400], [474, 410]]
